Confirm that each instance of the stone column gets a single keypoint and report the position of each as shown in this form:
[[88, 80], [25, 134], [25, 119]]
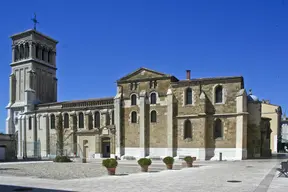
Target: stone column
[[13, 53], [142, 143], [31, 51], [170, 123]]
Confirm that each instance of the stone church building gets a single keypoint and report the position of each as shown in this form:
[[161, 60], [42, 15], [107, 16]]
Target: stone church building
[[152, 114]]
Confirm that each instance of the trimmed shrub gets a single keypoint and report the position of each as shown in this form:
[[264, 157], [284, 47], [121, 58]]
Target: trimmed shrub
[[144, 162], [62, 159], [168, 160], [188, 159], [110, 163]]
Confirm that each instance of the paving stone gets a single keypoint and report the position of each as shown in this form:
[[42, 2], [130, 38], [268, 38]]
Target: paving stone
[[211, 177]]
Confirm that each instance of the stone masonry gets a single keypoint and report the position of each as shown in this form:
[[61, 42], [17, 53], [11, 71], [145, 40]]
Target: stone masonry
[[152, 115]]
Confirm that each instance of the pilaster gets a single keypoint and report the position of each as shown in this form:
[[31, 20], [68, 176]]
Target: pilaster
[[86, 119], [19, 139], [47, 133], [39, 126], [203, 119], [9, 122], [11, 91], [142, 124], [25, 120], [241, 125], [93, 118], [97, 146], [103, 118], [117, 122], [34, 128], [72, 116], [170, 122]]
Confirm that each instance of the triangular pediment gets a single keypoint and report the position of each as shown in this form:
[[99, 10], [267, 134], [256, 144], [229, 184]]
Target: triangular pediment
[[143, 73]]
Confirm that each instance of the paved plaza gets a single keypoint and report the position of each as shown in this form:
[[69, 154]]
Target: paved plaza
[[249, 176]]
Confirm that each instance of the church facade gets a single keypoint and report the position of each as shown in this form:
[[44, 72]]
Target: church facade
[[153, 114]]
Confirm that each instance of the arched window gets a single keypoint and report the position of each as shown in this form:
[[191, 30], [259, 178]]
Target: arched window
[[81, 120], [188, 96], [16, 54], [219, 94], [52, 121], [43, 54], [90, 121], [37, 51], [49, 56], [107, 119], [133, 99], [153, 98], [134, 117], [66, 120], [74, 122], [153, 116], [30, 123], [27, 50], [21, 51], [187, 130], [218, 133], [112, 114], [97, 119]]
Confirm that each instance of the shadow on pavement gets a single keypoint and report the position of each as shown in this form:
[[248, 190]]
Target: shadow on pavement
[[7, 169], [121, 174], [12, 188]]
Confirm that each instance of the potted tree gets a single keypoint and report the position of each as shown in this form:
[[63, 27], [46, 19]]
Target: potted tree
[[169, 162], [144, 164], [110, 165], [189, 161]]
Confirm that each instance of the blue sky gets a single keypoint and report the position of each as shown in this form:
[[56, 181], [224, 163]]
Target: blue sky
[[101, 41]]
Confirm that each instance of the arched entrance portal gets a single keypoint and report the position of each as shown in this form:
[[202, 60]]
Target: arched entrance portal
[[106, 147]]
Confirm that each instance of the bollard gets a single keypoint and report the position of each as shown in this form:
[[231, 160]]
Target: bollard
[[220, 156]]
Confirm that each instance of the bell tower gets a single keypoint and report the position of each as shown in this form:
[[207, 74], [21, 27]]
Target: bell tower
[[33, 73]]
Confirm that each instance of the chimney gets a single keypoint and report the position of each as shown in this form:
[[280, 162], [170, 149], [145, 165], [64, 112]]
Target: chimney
[[188, 74]]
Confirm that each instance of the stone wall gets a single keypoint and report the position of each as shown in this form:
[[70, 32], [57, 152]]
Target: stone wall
[[8, 141]]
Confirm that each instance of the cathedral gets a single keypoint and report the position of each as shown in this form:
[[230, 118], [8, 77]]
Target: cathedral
[[152, 114]]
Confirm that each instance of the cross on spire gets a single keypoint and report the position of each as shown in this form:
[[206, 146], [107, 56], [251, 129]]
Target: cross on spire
[[35, 21]]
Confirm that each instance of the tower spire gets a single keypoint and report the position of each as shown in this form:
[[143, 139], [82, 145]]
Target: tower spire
[[35, 21]]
